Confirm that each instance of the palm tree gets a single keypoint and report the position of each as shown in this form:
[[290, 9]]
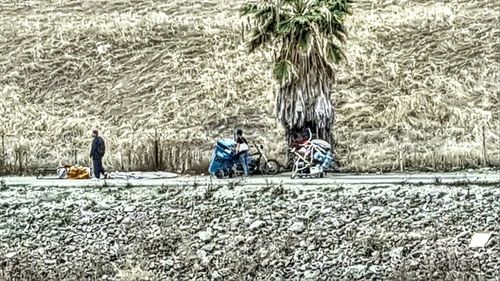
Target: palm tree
[[305, 36]]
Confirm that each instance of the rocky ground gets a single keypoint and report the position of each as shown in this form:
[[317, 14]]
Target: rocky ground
[[243, 233]]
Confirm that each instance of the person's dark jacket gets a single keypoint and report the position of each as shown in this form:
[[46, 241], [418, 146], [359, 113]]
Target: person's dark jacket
[[98, 148]]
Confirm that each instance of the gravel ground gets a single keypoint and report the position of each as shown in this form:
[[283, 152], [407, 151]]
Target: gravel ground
[[249, 233]]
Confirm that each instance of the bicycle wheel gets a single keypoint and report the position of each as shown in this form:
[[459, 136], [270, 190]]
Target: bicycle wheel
[[271, 167]]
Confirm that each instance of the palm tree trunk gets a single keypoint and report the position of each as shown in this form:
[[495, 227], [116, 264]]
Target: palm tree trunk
[[305, 103]]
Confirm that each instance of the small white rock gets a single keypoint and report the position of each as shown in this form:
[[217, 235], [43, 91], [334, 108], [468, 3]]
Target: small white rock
[[374, 269], [129, 209], [50, 261], [325, 211], [205, 236], [297, 227], [11, 255], [310, 275], [215, 275], [208, 248], [376, 209], [205, 261], [396, 252], [201, 253], [168, 262], [256, 225]]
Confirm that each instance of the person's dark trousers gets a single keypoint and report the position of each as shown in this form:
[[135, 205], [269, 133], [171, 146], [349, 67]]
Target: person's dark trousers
[[98, 168]]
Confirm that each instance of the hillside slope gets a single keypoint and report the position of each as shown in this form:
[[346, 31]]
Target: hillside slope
[[422, 81]]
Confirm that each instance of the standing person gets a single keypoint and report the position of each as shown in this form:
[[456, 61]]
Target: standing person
[[242, 150], [97, 153]]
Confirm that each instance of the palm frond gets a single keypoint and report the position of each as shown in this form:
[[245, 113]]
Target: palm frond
[[249, 8], [340, 35], [304, 39], [285, 27], [260, 12], [302, 20], [334, 53], [284, 71], [259, 38]]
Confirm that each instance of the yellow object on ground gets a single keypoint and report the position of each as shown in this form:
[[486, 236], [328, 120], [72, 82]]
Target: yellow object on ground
[[78, 173]]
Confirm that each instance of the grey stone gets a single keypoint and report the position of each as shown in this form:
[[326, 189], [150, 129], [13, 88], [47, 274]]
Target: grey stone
[[129, 209], [208, 248], [376, 209], [257, 225], [310, 275], [297, 227], [358, 271], [205, 236], [167, 262]]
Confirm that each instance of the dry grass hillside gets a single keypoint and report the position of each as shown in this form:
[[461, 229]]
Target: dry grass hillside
[[422, 81]]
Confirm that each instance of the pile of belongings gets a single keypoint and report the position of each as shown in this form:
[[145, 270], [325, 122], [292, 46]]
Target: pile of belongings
[[73, 172], [318, 151], [322, 153]]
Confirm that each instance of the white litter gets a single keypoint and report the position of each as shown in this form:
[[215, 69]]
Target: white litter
[[480, 239]]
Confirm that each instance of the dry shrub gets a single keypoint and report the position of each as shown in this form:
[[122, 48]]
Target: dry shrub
[[422, 79], [200, 167]]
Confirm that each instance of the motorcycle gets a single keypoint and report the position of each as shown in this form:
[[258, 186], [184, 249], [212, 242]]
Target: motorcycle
[[258, 164]]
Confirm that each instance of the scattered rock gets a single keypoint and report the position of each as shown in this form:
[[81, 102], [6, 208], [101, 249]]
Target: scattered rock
[[205, 236], [297, 227], [129, 209], [70, 249], [256, 225], [208, 248], [215, 275], [357, 271], [85, 220], [396, 253], [168, 262], [353, 234], [376, 209], [325, 211], [310, 275]]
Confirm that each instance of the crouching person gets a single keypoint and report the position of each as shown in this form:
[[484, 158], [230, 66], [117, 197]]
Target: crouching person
[[97, 153]]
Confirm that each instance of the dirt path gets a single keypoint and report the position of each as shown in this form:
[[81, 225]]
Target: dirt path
[[488, 177]]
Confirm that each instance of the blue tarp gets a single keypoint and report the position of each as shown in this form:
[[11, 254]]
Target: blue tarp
[[223, 156]]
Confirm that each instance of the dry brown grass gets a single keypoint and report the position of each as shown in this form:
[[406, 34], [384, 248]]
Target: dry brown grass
[[422, 78]]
